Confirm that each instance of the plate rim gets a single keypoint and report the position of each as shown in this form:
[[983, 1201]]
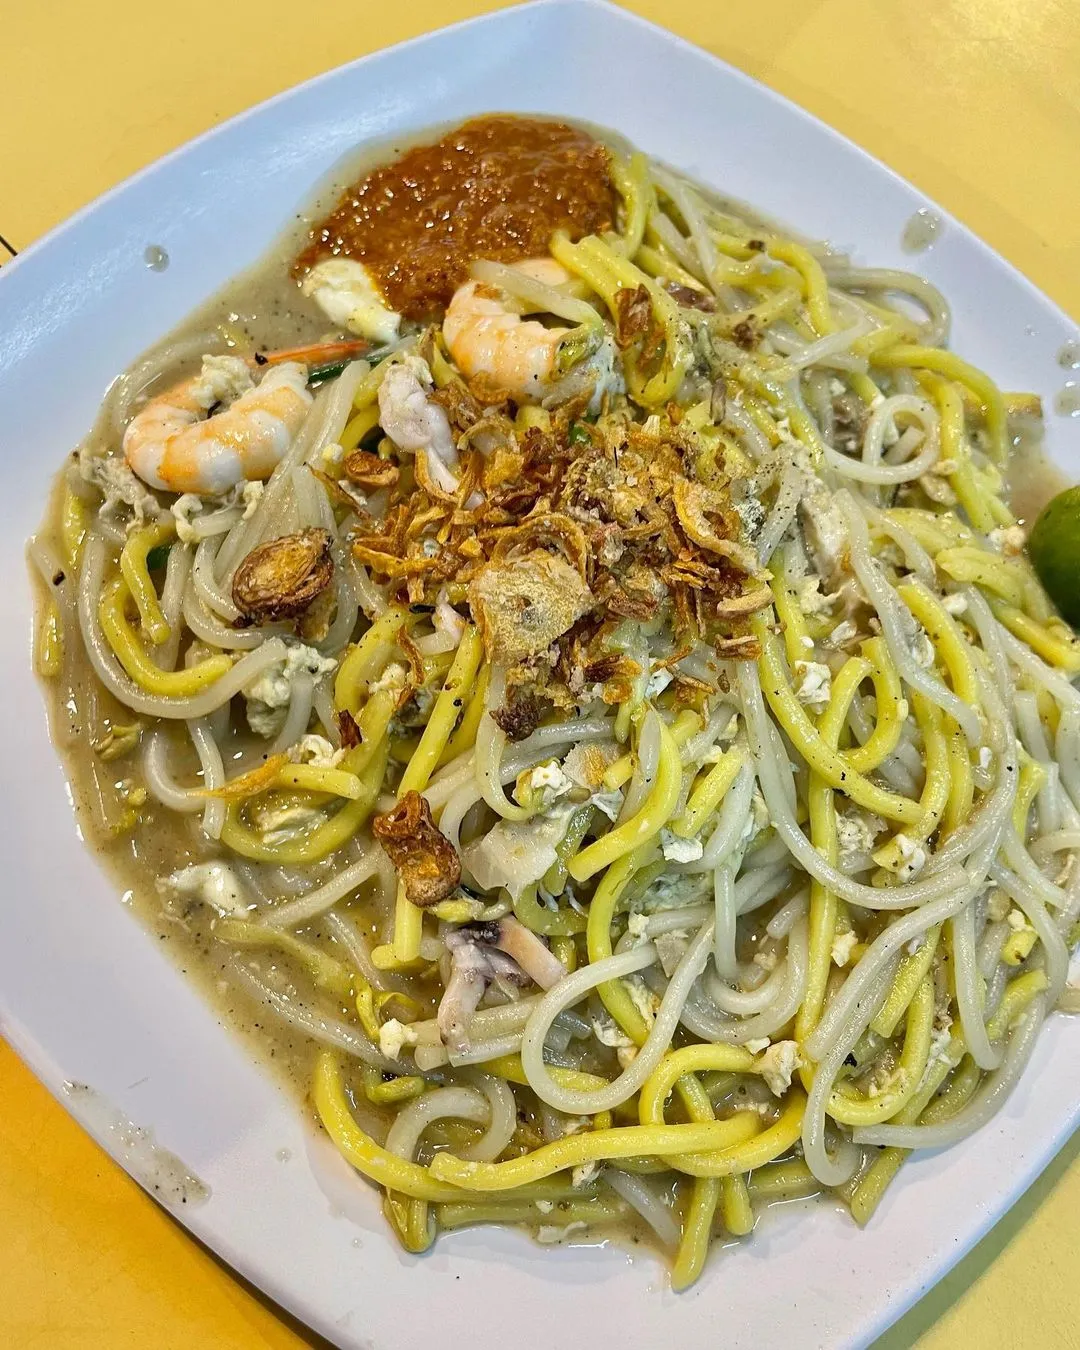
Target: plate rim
[[907, 1291]]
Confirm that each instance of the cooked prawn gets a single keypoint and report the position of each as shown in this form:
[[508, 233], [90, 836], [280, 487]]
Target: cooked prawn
[[171, 444], [522, 356], [314, 354], [488, 335]]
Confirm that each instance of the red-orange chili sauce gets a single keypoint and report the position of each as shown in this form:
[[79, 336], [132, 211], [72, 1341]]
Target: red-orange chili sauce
[[496, 187]]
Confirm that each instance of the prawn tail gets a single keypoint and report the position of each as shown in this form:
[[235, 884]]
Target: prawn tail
[[316, 353]]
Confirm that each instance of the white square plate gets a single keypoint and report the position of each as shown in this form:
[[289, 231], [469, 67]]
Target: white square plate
[[84, 993]]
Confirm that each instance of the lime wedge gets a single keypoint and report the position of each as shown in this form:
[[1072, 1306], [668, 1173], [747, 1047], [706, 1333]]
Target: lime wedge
[[1054, 548]]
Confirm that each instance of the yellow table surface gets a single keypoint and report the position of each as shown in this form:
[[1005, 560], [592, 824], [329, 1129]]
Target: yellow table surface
[[975, 101]]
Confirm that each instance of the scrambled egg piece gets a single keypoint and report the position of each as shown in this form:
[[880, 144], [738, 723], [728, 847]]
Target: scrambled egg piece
[[271, 691], [778, 1063], [809, 594], [815, 688], [581, 1176], [842, 633], [607, 1032], [940, 1043], [186, 506], [1011, 540], [856, 830], [118, 485], [998, 905], [547, 784], [922, 648], [679, 850], [346, 293], [912, 857], [842, 947], [391, 681], [214, 883], [251, 495], [222, 380], [1021, 940], [636, 926], [317, 750], [644, 1000], [394, 1036]]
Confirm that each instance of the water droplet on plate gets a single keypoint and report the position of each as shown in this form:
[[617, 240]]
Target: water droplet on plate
[[156, 258], [1067, 402], [921, 231], [1069, 355]]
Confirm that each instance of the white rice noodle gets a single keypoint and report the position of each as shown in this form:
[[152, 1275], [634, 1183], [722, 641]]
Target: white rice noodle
[[970, 991], [989, 1099], [343, 930], [709, 1023], [297, 714], [575, 987], [877, 279], [747, 432], [208, 628], [789, 492], [730, 823], [490, 1103], [306, 1020], [915, 556], [1055, 953], [837, 1168], [648, 1200], [1067, 753], [724, 922], [774, 776], [823, 351], [206, 584], [159, 779], [177, 571], [296, 913], [213, 772]]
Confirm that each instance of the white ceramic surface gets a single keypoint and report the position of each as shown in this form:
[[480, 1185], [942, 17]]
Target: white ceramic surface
[[84, 992]]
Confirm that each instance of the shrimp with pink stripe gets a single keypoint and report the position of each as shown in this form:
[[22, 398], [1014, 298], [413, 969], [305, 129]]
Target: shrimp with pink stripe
[[175, 444]]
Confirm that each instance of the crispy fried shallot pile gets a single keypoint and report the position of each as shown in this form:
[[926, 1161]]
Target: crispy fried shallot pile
[[556, 535]]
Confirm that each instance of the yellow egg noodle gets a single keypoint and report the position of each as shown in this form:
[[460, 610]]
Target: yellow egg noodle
[[737, 880]]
